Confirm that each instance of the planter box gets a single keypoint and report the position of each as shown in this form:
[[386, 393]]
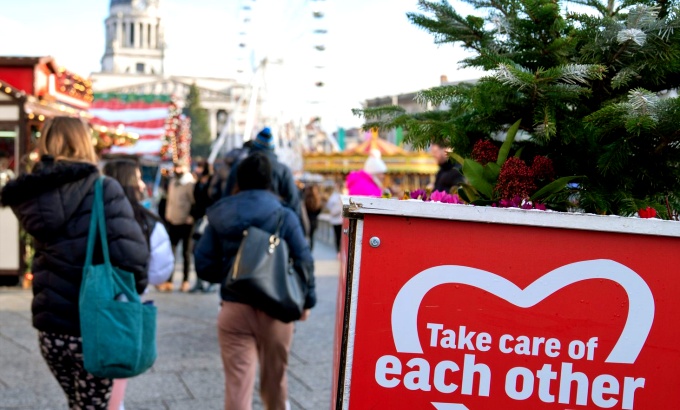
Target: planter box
[[459, 307]]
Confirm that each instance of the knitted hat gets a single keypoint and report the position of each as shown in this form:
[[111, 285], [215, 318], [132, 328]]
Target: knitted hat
[[375, 165], [264, 140]]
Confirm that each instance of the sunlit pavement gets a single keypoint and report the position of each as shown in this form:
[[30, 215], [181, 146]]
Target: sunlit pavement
[[188, 372]]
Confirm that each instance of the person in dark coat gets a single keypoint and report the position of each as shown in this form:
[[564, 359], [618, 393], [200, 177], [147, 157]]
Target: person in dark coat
[[245, 332], [449, 174], [53, 204], [313, 206], [283, 183], [217, 189], [201, 203]]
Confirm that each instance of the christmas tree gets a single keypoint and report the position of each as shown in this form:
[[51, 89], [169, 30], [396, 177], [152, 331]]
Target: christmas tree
[[177, 139], [591, 90], [200, 130]]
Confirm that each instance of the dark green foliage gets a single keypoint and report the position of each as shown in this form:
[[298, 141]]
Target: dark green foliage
[[586, 88], [200, 129]]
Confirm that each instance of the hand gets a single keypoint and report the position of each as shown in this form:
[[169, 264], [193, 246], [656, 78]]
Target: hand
[[305, 315]]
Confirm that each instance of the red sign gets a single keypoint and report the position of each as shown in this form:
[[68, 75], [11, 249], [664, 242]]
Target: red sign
[[468, 315]]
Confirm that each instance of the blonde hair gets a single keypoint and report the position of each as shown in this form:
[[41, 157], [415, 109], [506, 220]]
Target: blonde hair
[[67, 139]]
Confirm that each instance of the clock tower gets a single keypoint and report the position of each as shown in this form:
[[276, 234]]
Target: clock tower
[[134, 38]]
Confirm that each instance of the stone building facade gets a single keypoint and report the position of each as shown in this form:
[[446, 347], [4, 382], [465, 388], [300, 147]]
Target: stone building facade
[[133, 62]]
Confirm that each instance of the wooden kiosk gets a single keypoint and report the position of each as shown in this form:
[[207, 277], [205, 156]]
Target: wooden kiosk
[[32, 90]]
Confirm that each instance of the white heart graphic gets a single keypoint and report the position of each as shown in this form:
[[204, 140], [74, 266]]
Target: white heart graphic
[[627, 348]]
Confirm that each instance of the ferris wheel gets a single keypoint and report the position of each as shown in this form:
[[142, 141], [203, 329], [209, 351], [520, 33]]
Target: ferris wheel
[[254, 66]]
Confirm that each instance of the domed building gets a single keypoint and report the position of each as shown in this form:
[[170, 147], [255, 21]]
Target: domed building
[[134, 38], [133, 63]]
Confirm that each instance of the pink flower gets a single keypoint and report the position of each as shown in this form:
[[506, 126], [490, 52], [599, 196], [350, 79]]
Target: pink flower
[[511, 203], [441, 196], [419, 194], [518, 202], [437, 196]]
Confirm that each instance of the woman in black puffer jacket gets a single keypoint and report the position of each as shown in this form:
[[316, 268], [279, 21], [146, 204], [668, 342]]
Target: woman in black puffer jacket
[[53, 204]]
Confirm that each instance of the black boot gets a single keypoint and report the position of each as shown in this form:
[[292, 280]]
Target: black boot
[[198, 287]]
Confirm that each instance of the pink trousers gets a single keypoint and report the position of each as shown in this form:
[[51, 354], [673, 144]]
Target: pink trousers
[[247, 335], [117, 394]]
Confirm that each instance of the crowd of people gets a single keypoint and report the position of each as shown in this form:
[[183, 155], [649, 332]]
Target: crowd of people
[[54, 204], [205, 210]]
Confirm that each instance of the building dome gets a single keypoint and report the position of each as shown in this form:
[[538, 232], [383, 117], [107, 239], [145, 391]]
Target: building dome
[[134, 38]]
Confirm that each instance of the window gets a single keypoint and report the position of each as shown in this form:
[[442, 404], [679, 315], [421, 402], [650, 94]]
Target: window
[[140, 68], [132, 35]]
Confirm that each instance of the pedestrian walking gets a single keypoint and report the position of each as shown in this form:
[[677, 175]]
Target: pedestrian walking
[[161, 258], [201, 203], [245, 332], [283, 183], [180, 222], [53, 204], [217, 189], [334, 207], [312, 202]]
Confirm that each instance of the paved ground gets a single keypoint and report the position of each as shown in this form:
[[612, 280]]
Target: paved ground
[[188, 372]]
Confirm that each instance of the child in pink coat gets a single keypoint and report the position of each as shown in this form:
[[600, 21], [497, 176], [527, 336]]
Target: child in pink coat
[[369, 181]]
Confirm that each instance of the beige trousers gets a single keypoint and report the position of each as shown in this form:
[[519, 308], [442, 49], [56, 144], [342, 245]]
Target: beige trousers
[[247, 335]]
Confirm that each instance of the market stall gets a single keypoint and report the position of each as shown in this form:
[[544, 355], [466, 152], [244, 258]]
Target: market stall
[[408, 170], [33, 90], [464, 307]]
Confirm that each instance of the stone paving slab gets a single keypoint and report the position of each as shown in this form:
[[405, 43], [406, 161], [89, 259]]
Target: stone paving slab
[[188, 373]]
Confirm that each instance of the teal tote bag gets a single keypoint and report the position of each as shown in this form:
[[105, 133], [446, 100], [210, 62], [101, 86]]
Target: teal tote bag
[[118, 330]]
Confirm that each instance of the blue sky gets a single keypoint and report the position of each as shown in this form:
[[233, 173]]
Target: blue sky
[[371, 48]]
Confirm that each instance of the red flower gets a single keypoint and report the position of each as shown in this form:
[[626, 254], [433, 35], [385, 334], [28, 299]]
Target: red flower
[[648, 212], [515, 179], [543, 169], [484, 152]]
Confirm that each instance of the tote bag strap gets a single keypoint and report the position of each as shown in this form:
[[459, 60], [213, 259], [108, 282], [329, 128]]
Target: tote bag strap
[[97, 223], [279, 224]]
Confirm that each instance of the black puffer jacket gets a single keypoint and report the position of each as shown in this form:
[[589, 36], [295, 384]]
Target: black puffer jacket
[[53, 204]]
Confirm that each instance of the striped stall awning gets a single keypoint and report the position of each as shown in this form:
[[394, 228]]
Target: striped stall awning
[[143, 114]]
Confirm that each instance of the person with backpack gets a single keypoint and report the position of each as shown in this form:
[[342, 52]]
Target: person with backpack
[[54, 205]]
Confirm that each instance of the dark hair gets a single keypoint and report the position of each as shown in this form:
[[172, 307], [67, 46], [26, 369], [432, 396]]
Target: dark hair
[[125, 172], [205, 167], [312, 198], [254, 172], [4, 154]]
